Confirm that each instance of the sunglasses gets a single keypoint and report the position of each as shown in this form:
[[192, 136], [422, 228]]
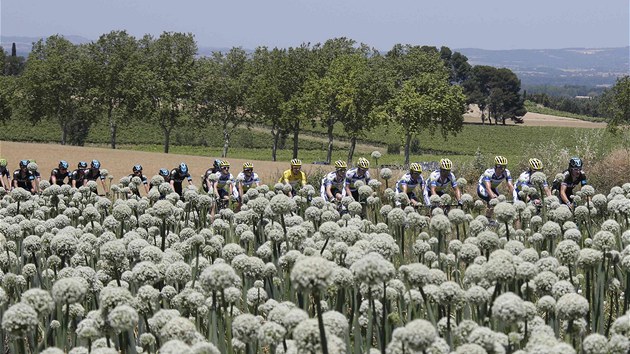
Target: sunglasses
[[248, 170], [225, 168]]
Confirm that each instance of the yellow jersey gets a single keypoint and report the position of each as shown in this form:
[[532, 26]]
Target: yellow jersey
[[293, 179]]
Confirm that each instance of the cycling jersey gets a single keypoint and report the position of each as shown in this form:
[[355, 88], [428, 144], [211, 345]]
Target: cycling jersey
[[440, 184], [337, 184], [495, 180], [144, 178], [23, 179], [59, 176], [78, 176], [293, 179], [247, 182], [568, 181], [410, 182], [524, 180], [177, 178], [4, 172], [224, 180], [352, 176], [93, 174], [210, 171]]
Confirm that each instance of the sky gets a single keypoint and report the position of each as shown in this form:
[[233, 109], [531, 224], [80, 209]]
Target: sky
[[485, 24]]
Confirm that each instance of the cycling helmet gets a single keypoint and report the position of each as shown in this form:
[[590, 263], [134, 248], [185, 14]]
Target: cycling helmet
[[296, 162], [500, 161], [248, 165], [216, 163], [341, 165], [3, 163], [225, 163], [163, 172], [95, 164], [137, 168], [415, 167], [446, 164], [23, 163], [535, 164], [183, 168], [63, 165], [575, 162], [82, 164], [363, 163]]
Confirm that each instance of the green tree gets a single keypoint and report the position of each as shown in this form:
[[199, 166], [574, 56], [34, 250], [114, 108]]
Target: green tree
[[222, 91], [616, 104], [167, 75], [7, 89], [115, 60], [53, 86], [495, 90], [13, 65], [423, 97]]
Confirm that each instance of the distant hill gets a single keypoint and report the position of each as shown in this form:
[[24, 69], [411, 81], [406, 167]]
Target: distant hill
[[557, 67]]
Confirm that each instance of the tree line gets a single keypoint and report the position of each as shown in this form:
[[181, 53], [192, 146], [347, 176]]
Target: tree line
[[120, 79]]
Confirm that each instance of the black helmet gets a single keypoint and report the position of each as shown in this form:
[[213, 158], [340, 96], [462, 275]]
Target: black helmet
[[63, 164], [216, 163], [183, 168], [137, 168], [82, 164], [23, 163], [575, 162], [96, 164], [163, 172]]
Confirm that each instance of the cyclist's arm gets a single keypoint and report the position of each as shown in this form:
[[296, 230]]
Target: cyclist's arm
[[105, 187], [433, 191], [488, 187], [563, 194], [53, 180], [240, 189], [190, 182], [458, 193], [329, 192], [303, 178]]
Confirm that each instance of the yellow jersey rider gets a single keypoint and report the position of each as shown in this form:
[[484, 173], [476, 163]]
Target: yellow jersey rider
[[294, 176]]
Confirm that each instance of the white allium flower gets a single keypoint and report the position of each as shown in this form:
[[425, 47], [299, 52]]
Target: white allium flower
[[175, 346], [604, 240], [180, 328], [245, 327], [567, 252], [312, 273], [419, 335], [40, 300], [271, 333], [69, 290], [376, 154], [440, 224], [19, 320], [508, 307], [218, 277], [336, 323], [372, 269], [572, 307], [122, 318], [504, 212]]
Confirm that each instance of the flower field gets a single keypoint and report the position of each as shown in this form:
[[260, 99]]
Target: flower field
[[83, 273]]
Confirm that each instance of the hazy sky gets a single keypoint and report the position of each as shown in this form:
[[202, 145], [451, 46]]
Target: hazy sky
[[487, 24]]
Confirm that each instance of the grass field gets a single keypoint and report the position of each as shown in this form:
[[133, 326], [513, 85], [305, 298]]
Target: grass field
[[514, 142], [536, 108]]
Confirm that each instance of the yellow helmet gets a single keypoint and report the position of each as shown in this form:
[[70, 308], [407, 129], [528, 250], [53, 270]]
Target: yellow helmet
[[415, 167], [224, 163], [3, 163], [248, 165], [296, 162], [535, 164], [363, 163], [500, 161], [340, 165], [446, 164]]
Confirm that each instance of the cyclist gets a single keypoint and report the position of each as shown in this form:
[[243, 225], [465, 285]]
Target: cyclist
[[59, 174], [571, 178], [492, 178], [524, 180], [34, 170], [178, 175], [94, 173], [166, 174], [206, 184], [246, 180], [136, 171], [23, 178], [294, 176], [441, 179], [5, 175], [78, 175], [223, 187], [359, 173], [408, 183], [333, 184]]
